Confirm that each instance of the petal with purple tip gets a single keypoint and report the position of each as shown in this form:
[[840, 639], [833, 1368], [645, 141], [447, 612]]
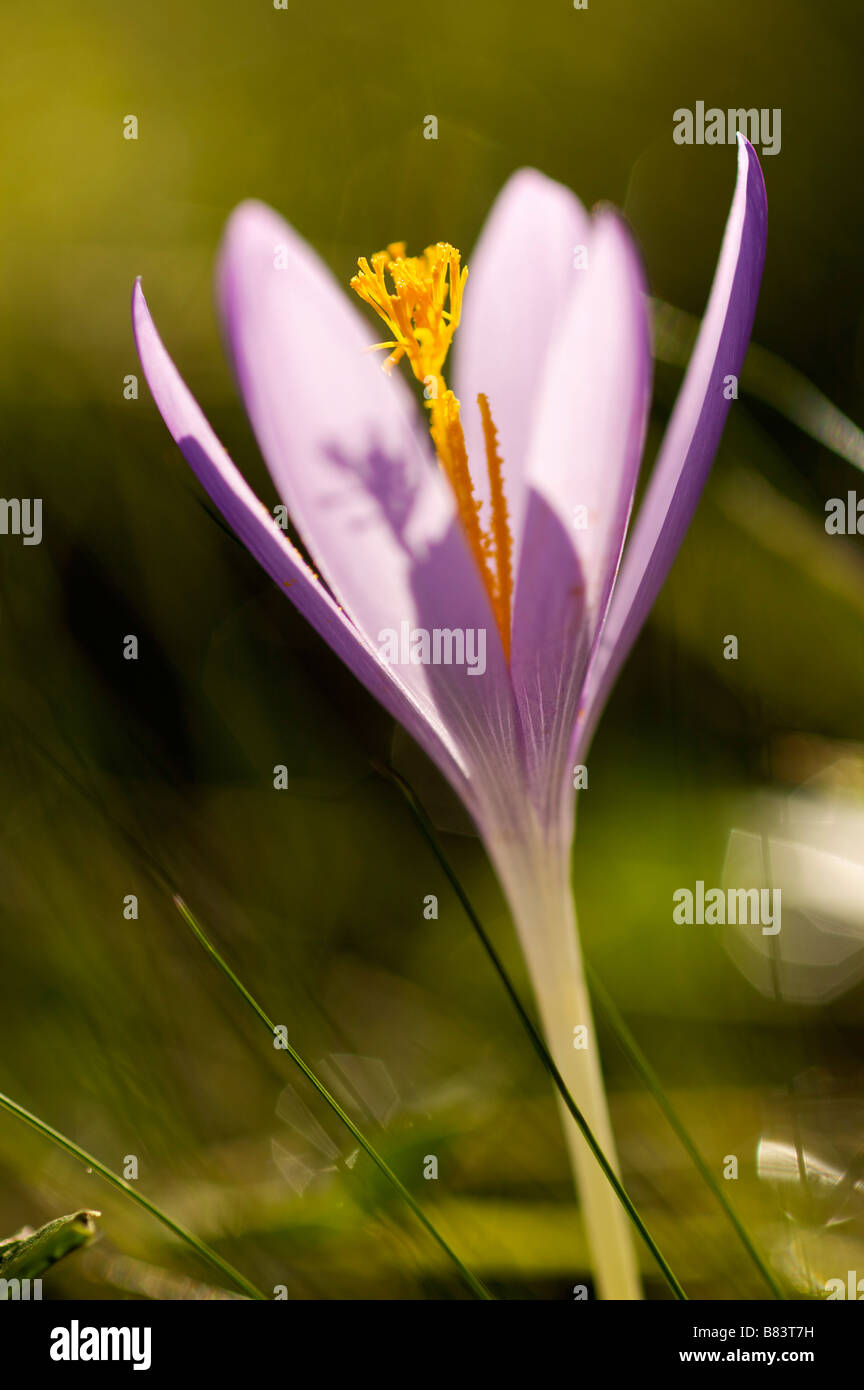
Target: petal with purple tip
[[692, 435]]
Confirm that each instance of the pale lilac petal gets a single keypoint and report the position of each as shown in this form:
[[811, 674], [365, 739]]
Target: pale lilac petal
[[692, 436], [583, 462], [520, 277], [343, 444], [339, 437], [256, 528]]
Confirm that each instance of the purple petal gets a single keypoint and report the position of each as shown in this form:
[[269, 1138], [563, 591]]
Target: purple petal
[[342, 443], [582, 466], [256, 528], [521, 275], [338, 436], [692, 436]]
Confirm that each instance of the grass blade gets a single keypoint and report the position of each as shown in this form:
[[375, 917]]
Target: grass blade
[[474, 1284], [115, 1180], [28, 1254], [652, 1081], [155, 871]]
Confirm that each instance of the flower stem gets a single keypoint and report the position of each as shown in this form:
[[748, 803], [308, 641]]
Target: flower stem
[[562, 996], [618, 1271]]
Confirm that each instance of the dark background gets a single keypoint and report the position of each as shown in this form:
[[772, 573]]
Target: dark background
[[122, 1033]]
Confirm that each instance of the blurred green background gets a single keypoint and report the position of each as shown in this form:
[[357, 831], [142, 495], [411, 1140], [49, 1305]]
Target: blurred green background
[[121, 1033]]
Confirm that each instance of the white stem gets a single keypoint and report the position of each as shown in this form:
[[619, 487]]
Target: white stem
[[541, 899]]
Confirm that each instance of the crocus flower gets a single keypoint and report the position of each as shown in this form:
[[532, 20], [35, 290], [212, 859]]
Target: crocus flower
[[504, 537]]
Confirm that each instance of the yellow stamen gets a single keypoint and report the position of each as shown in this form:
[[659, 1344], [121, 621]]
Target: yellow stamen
[[422, 312], [416, 311]]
